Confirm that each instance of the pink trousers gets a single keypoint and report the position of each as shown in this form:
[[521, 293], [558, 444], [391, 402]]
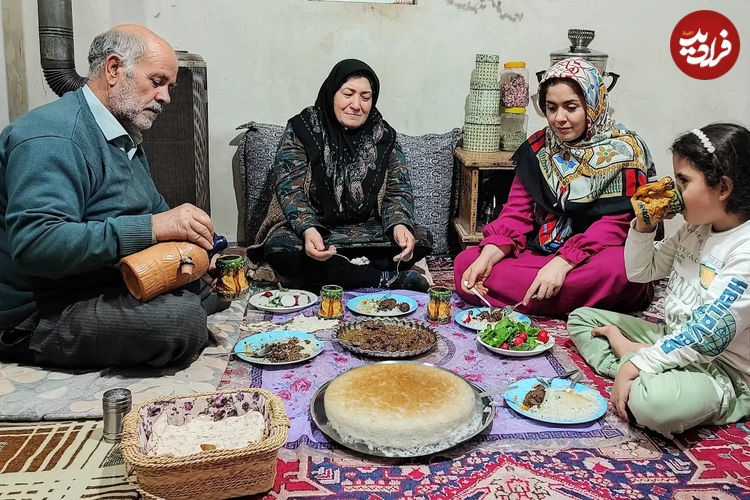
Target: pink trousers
[[601, 282]]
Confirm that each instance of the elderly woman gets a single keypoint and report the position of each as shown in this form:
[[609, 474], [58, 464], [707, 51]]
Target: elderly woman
[[343, 211], [558, 243]]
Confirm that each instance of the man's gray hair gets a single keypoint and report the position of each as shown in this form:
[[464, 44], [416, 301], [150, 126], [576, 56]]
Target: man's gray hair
[[127, 46]]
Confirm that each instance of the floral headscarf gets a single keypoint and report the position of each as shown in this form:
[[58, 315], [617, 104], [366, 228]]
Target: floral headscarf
[[592, 177]]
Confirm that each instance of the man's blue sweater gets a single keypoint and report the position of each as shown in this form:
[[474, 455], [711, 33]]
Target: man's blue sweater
[[72, 205]]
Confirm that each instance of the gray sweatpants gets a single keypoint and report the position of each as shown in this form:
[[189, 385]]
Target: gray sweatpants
[[113, 329]]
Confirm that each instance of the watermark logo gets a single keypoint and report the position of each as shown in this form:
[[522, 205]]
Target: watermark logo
[[705, 44]]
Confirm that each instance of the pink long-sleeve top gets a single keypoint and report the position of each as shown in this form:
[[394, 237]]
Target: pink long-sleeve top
[[517, 220]]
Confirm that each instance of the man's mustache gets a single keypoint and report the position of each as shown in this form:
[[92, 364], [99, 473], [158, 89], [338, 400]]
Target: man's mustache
[[155, 107]]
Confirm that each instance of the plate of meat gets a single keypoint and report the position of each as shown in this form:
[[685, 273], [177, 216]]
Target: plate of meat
[[278, 347], [477, 318], [382, 304]]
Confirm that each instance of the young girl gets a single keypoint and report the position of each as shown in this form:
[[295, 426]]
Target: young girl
[[695, 369]]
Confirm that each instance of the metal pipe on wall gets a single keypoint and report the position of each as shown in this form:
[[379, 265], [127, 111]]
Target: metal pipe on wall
[[56, 46]]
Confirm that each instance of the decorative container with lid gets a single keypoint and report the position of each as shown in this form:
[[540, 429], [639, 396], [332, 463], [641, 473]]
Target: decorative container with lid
[[482, 133]]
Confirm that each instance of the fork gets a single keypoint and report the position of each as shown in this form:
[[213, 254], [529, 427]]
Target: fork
[[574, 380], [482, 297]]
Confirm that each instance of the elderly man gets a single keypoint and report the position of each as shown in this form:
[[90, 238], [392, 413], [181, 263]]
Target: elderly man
[[76, 196]]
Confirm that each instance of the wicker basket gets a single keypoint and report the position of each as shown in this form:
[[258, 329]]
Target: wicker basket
[[214, 474]]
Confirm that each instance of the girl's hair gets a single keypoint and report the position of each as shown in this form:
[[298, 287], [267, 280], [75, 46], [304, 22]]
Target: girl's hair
[[554, 81], [731, 157]]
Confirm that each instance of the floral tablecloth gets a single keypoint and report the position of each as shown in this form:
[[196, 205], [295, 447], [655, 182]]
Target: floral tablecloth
[[456, 350]]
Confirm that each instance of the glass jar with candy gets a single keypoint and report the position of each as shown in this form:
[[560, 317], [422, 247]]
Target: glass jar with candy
[[514, 85]]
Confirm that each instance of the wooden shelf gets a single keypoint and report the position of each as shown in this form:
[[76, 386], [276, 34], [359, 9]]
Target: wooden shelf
[[464, 236], [472, 164], [498, 160]]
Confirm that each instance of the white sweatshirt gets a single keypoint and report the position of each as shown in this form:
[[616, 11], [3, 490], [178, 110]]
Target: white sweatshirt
[[707, 306]]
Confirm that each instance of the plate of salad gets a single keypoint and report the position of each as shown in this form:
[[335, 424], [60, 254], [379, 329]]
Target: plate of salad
[[515, 338], [283, 301]]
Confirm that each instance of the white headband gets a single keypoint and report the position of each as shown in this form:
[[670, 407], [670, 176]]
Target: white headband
[[704, 139]]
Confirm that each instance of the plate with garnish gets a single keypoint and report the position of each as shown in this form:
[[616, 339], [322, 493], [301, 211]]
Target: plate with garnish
[[477, 318], [283, 301]]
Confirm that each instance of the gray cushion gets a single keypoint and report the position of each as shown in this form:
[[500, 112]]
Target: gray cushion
[[430, 160], [431, 167]]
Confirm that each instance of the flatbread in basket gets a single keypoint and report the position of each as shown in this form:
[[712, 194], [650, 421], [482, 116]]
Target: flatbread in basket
[[212, 474]]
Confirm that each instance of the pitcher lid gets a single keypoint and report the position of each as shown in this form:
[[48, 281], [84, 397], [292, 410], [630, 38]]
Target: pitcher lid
[[579, 47]]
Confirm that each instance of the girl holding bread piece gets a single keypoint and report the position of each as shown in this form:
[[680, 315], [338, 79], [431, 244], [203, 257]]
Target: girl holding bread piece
[[695, 369]]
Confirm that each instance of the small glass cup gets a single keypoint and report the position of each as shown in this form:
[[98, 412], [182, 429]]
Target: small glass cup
[[232, 283], [331, 302], [439, 306]]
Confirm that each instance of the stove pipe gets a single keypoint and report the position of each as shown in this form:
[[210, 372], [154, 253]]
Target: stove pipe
[[56, 46]]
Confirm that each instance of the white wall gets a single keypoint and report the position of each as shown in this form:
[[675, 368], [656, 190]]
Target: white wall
[[267, 58]]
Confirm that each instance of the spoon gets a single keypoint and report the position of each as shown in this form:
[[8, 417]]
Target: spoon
[[326, 339], [482, 297], [574, 380], [392, 281], [264, 351]]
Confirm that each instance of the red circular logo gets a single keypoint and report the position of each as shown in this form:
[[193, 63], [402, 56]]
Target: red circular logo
[[705, 44]]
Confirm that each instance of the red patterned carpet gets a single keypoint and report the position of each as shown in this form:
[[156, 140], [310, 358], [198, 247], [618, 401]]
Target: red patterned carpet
[[705, 463]]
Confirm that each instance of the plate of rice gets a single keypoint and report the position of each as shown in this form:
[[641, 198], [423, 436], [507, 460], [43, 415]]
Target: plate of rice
[[382, 304], [556, 404]]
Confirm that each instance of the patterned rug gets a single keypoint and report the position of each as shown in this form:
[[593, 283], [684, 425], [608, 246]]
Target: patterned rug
[[60, 461]]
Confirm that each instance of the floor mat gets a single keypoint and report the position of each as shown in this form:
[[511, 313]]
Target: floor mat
[[31, 393], [60, 461]]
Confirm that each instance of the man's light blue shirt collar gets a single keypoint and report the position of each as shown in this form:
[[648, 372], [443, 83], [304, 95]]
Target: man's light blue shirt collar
[[112, 129]]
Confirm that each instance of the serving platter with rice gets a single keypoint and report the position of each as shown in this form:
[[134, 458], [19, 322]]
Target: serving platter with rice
[[400, 409]]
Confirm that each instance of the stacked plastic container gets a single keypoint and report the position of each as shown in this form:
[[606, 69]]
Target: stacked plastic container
[[482, 121], [514, 91]]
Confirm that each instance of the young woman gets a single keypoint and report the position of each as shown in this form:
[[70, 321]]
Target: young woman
[[343, 191], [558, 242], [695, 369]]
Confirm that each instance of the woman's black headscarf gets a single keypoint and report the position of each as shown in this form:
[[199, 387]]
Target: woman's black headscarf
[[348, 165]]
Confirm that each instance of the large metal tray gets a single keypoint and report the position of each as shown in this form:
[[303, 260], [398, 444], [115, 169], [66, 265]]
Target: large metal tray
[[318, 413], [351, 325]]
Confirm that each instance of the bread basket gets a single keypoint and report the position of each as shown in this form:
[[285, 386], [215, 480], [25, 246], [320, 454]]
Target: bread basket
[[214, 474]]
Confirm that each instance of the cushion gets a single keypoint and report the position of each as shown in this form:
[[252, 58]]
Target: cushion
[[431, 166], [432, 171]]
